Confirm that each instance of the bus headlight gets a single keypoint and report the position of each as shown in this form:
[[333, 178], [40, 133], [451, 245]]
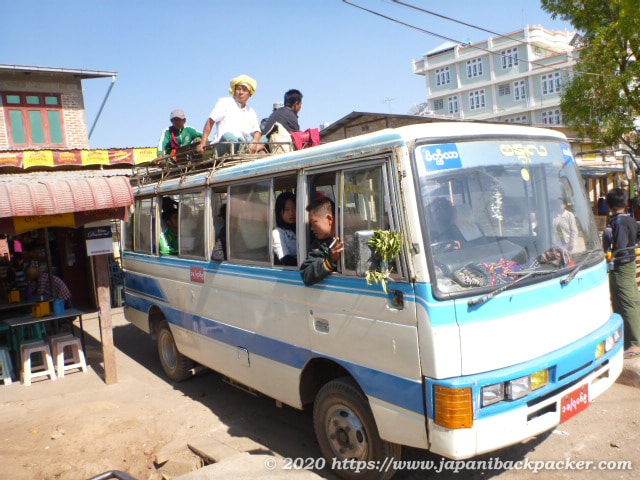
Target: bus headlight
[[608, 343], [492, 394], [518, 388]]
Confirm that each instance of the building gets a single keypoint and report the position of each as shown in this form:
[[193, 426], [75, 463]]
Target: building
[[514, 78], [43, 107], [359, 123]]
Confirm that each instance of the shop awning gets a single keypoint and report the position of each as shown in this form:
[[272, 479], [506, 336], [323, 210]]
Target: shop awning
[[68, 199]]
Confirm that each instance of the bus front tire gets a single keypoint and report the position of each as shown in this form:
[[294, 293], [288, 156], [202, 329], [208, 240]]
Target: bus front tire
[[176, 366], [346, 430]]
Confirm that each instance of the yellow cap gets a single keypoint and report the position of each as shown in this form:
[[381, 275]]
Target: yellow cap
[[245, 80]]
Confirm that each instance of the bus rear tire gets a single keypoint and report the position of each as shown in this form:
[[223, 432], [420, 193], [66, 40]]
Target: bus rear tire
[[176, 366], [346, 430]]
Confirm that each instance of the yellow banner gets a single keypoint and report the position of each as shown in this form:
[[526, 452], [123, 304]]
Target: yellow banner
[[142, 155], [24, 224], [95, 157], [37, 158]]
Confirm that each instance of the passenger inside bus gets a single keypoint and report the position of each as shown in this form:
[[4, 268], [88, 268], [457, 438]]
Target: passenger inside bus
[[445, 234], [169, 237], [285, 250], [322, 259], [220, 248]]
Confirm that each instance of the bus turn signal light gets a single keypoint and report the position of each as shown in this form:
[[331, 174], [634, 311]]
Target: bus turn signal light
[[453, 407]]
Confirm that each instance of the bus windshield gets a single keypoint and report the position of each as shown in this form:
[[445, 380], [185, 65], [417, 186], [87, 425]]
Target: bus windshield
[[494, 211]]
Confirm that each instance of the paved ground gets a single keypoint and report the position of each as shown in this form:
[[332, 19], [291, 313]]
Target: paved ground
[[77, 427]]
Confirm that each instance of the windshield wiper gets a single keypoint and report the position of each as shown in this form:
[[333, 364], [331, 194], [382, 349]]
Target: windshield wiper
[[576, 269], [480, 300]]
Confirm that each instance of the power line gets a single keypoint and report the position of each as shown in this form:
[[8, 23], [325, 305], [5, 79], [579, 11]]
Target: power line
[[428, 32]]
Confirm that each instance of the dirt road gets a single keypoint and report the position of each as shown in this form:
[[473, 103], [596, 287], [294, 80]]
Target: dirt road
[[77, 427]]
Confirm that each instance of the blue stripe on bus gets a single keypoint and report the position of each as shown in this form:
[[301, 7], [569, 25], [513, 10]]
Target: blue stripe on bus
[[567, 365], [403, 392]]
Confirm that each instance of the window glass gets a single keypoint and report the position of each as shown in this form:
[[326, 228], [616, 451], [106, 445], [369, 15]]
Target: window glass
[[192, 224], [48, 100], [37, 132], [363, 208], [145, 225], [17, 127], [248, 233], [128, 233], [33, 100], [13, 99], [219, 209], [55, 127], [283, 236]]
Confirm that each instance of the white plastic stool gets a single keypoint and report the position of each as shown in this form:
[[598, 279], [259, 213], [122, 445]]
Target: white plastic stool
[[5, 365], [77, 361], [46, 369]]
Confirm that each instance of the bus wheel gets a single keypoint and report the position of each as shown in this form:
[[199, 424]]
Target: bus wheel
[[346, 431], [175, 365]]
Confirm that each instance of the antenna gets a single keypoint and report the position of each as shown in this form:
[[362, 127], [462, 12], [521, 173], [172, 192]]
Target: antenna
[[388, 101]]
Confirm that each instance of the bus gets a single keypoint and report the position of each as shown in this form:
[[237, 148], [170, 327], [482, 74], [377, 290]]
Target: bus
[[495, 324]]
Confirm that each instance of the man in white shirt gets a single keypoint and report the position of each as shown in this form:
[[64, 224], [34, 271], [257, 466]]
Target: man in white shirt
[[234, 120]]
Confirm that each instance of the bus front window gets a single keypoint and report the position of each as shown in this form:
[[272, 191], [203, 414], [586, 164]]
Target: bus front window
[[493, 213]]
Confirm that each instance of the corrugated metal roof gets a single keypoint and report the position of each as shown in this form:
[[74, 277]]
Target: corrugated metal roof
[[52, 193]]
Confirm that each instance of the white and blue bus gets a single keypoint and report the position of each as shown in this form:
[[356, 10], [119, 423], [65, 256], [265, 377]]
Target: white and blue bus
[[496, 323]]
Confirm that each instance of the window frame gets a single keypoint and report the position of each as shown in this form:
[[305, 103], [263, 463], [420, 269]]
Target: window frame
[[25, 108]]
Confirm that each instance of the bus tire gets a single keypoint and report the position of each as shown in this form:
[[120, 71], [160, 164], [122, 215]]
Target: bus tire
[[175, 365], [346, 430]]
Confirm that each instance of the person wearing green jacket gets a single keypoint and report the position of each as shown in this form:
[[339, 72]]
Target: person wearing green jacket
[[177, 135]]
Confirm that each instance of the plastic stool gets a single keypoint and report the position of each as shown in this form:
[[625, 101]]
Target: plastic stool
[[77, 361], [26, 350], [5, 365]]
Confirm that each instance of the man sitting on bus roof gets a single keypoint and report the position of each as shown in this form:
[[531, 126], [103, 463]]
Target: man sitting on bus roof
[[287, 115], [234, 120], [177, 135]]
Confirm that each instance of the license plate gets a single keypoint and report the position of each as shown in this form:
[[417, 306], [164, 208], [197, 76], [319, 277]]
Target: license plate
[[574, 403]]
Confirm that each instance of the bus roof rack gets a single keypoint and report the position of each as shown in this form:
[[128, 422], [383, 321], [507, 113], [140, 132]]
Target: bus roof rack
[[187, 161]]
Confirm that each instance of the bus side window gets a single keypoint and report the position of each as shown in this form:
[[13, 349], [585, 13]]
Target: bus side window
[[248, 229], [219, 214], [169, 227], [192, 209], [144, 240], [283, 236], [363, 208]]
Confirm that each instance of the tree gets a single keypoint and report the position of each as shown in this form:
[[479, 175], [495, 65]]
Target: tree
[[602, 99]]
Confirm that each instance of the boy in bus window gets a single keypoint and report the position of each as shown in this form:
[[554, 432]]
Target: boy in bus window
[[326, 248]]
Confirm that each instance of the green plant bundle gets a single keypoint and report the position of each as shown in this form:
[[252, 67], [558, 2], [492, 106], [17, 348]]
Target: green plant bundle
[[386, 244]]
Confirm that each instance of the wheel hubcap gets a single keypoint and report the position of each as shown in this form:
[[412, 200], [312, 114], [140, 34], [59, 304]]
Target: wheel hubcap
[[168, 351], [347, 436]]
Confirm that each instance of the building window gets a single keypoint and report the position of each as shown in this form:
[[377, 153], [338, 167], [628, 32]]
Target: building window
[[33, 119], [504, 89], [474, 67], [519, 91], [552, 117], [453, 104], [438, 104], [443, 76], [509, 58], [519, 119], [551, 83], [476, 99]]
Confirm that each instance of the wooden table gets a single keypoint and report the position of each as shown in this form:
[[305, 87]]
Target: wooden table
[[15, 321]]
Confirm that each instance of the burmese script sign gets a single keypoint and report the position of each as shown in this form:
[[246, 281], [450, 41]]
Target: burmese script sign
[[56, 158]]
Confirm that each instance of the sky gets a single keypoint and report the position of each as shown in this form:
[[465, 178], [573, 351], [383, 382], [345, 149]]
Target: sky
[[172, 55]]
